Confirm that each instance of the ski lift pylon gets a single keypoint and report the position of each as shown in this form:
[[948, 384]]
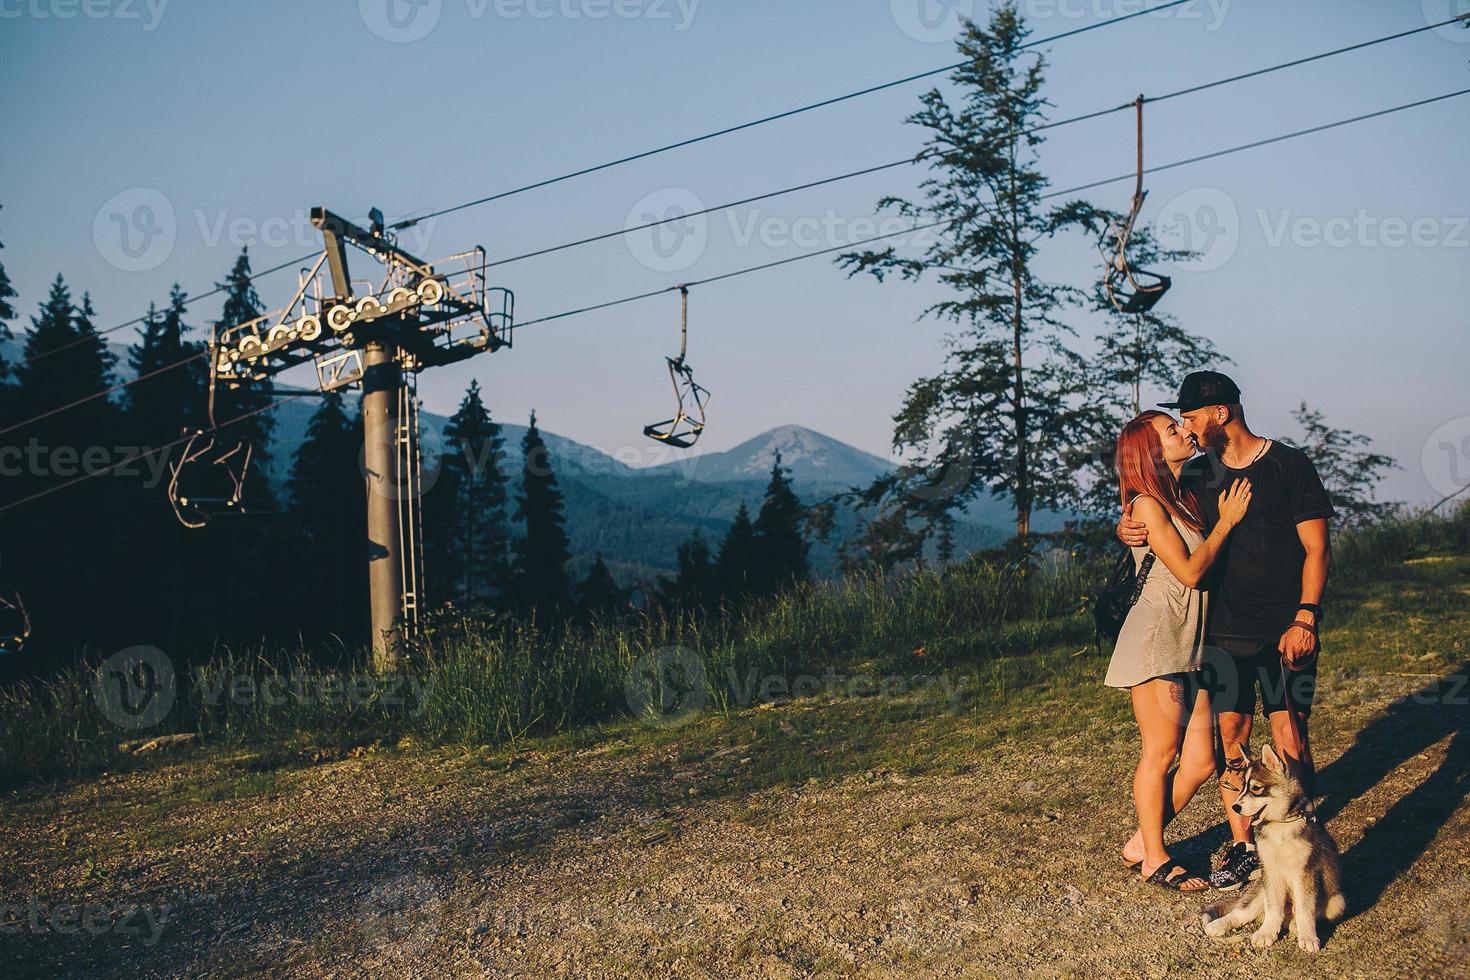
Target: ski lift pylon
[[684, 429], [1129, 289]]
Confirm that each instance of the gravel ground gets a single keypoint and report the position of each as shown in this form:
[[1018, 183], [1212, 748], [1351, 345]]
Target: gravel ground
[[636, 860]]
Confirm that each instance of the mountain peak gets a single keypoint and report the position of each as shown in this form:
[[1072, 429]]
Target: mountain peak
[[811, 457]]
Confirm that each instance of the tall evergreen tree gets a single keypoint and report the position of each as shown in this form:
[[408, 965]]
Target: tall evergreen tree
[[1012, 396], [164, 404], [694, 587], [67, 545], [7, 314], [65, 360], [541, 555], [166, 400], [242, 303], [599, 593], [8, 416], [466, 531], [329, 519], [735, 568], [783, 548]]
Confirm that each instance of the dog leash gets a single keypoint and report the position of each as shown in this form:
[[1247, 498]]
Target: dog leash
[[1291, 714]]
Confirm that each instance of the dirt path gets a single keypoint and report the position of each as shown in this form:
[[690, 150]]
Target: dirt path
[[601, 864], [692, 852]]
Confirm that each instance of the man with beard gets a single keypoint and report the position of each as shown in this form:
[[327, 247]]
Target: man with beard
[[1265, 590]]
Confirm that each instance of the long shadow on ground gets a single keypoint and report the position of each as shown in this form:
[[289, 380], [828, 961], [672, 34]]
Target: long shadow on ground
[[1438, 710]]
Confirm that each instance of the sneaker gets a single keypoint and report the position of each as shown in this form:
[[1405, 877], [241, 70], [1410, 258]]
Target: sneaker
[[1240, 865]]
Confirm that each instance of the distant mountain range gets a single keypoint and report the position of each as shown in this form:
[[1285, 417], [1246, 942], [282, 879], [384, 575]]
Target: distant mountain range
[[637, 517]]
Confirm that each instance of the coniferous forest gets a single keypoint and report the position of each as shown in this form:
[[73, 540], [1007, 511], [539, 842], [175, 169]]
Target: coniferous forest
[[102, 562]]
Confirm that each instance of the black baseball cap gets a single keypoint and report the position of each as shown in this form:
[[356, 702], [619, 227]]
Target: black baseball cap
[[1203, 388]]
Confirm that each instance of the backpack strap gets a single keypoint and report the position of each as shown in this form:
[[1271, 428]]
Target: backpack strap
[[1144, 567]]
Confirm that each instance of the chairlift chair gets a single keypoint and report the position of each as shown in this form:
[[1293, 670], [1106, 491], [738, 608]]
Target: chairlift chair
[[1129, 289], [15, 624], [208, 480], [684, 429]]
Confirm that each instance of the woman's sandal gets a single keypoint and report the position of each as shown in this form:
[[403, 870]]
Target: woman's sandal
[[1161, 877]]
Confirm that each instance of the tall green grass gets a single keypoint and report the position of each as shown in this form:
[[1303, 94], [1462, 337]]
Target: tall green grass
[[475, 683]]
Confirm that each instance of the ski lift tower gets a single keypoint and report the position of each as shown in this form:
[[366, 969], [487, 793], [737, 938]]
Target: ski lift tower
[[377, 335]]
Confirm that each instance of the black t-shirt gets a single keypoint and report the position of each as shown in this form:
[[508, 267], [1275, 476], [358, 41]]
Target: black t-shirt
[[1256, 583]]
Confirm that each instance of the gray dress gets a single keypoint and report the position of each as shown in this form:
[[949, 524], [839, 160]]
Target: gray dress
[[1165, 630]]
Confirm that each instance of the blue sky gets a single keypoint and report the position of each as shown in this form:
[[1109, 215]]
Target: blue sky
[[1334, 265]]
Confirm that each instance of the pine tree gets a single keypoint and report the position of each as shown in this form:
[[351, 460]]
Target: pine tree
[[66, 359], [9, 414], [160, 407], [329, 520], [738, 559], [782, 548], [7, 314], [69, 545], [541, 555], [242, 304], [1012, 396], [599, 594], [694, 587], [467, 534]]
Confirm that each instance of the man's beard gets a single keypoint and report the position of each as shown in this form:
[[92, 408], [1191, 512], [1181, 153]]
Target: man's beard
[[1213, 439]]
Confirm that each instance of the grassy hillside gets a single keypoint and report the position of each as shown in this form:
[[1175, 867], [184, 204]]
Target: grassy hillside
[[946, 793]]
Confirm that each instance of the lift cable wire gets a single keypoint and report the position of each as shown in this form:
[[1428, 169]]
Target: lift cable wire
[[1050, 194], [751, 200], [188, 301], [1097, 114], [1053, 194], [144, 454], [410, 222], [103, 393]]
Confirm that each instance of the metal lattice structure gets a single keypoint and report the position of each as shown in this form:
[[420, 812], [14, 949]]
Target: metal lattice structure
[[377, 335], [435, 313]]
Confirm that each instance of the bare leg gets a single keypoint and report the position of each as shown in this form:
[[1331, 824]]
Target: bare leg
[[1286, 742], [1196, 765], [1235, 735], [1158, 706]]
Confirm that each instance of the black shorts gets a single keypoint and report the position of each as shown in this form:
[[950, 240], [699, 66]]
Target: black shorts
[[1232, 681]]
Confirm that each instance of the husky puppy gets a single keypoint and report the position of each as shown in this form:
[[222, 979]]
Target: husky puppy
[[1299, 861]]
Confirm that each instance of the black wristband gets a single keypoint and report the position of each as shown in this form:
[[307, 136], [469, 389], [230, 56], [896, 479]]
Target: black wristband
[[1312, 608]]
